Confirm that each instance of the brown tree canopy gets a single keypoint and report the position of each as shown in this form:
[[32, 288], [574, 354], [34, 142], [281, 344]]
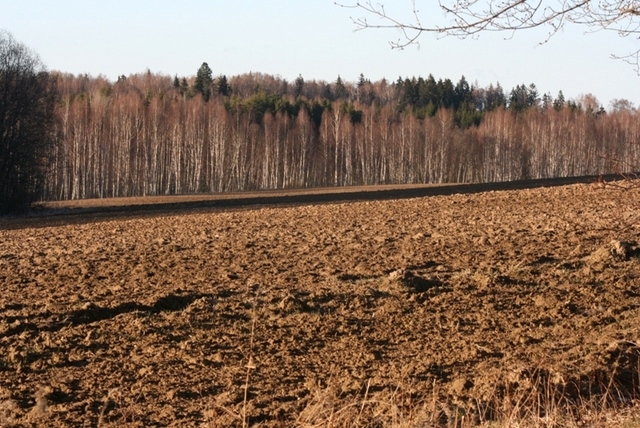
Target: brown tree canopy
[[143, 136]]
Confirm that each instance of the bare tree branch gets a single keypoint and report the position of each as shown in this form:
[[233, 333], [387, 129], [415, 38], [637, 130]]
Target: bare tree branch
[[464, 18]]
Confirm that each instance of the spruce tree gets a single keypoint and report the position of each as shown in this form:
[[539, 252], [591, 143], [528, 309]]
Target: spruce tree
[[299, 86], [340, 89], [204, 79], [559, 101], [223, 86]]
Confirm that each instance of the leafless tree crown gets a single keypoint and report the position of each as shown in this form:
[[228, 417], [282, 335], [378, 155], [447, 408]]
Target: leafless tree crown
[[470, 17]]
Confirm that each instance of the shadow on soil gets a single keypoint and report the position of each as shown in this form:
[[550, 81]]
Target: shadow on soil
[[93, 313], [43, 216]]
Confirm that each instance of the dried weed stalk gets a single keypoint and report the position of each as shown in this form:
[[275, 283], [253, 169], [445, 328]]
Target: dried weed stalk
[[250, 363], [211, 414], [537, 398]]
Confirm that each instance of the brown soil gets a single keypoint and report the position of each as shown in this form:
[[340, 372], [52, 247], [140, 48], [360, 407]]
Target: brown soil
[[157, 320]]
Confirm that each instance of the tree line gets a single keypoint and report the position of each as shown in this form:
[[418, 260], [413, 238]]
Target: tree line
[[70, 137], [150, 134], [27, 105]]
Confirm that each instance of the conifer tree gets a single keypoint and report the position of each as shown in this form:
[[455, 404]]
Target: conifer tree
[[184, 87], [223, 86], [204, 79], [340, 89], [559, 101], [299, 86]]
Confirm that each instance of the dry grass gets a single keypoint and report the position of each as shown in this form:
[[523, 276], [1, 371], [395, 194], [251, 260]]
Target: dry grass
[[535, 398], [518, 408]]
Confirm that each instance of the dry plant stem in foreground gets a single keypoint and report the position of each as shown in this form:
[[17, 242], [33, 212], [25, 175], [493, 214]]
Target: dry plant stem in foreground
[[250, 362]]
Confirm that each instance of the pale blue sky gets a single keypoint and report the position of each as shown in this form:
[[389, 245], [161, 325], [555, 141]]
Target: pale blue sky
[[313, 38]]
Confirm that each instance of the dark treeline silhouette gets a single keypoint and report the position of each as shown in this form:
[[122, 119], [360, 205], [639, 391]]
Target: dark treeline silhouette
[[27, 98], [149, 134]]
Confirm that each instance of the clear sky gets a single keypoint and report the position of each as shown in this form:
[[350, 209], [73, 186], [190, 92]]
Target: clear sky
[[312, 38]]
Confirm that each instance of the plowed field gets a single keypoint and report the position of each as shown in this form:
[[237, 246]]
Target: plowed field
[[419, 311]]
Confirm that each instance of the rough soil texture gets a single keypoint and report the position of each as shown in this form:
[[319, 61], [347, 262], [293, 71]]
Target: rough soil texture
[[454, 300]]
